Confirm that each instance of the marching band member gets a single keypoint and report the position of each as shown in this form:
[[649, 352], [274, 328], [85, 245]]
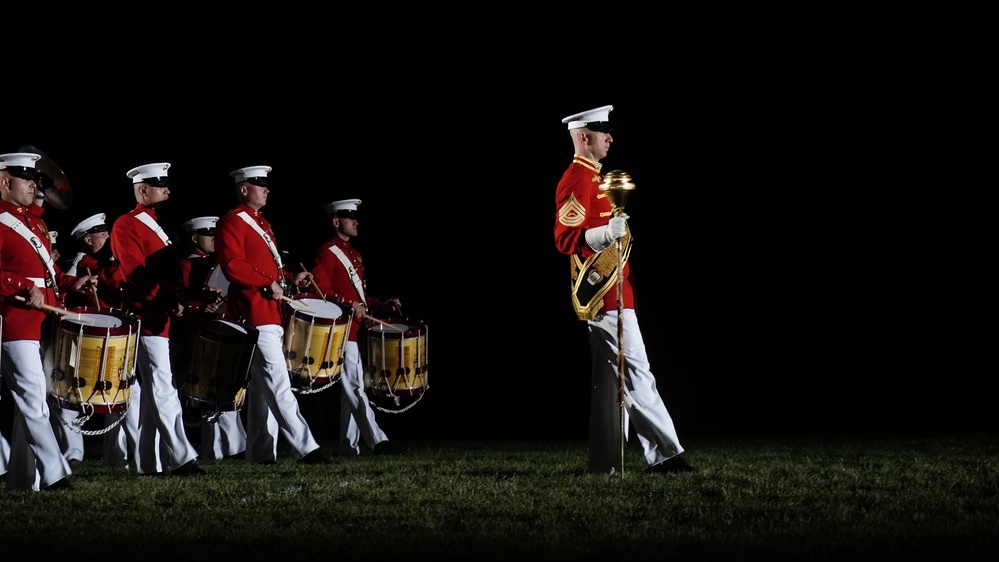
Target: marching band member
[[93, 234], [225, 436], [248, 255], [584, 229], [70, 440], [339, 274], [30, 281], [149, 270]]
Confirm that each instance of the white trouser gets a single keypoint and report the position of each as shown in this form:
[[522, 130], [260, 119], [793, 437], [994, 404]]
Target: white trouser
[[160, 410], [36, 460], [357, 417], [70, 439], [224, 437], [644, 407], [271, 405], [69, 435], [121, 443]]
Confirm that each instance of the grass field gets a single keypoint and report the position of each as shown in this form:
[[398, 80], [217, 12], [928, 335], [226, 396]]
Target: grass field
[[917, 498]]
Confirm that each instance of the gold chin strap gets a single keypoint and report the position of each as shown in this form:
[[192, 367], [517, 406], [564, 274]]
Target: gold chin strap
[[593, 278]]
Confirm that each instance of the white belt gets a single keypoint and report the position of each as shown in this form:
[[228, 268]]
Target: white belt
[[38, 281]]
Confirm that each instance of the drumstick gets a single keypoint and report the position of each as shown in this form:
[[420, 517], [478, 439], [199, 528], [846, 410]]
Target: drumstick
[[313, 281], [93, 290], [62, 311], [298, 304], [383, 323]]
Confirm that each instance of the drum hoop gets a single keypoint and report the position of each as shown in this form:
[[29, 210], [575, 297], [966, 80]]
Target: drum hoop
[[343, 318], [129, 324], [221, 329], [414, 330]]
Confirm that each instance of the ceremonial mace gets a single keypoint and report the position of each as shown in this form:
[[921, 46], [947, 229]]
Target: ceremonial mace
[[618, 185]]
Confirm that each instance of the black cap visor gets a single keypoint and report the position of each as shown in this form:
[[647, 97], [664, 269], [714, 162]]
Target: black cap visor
[[162, 181], [599, 126], [24, 173]]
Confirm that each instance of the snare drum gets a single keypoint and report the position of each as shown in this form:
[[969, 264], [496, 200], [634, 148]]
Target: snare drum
[[212, 368], [314, 341], [94, 360], [395, 374]]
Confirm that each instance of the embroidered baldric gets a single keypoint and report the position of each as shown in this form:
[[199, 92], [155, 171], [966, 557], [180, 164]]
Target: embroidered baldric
[[43, 253], [354, 278], [267, 239], [154, 226], [595, 276]]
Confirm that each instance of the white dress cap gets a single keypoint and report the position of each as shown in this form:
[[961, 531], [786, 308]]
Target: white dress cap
[[149, 173], [21, 159], [93, 223], [584, 119], [256, 175], [200, 223], [342, 208]]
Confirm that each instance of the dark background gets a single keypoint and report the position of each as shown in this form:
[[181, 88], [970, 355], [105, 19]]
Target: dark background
[[813, 211]]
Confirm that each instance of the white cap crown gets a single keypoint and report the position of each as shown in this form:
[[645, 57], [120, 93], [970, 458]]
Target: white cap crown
[[93, 223], [256, 175], [343, 207], [22, 159], [589, 118], [200, 223], [149, 173]]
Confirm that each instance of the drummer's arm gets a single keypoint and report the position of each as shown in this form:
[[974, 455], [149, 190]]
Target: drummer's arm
[[35, 298], [12, 284], [66, 282], [213, 306], [302, 280]]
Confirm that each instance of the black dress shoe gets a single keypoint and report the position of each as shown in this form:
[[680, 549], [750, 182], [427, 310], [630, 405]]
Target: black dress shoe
[[670, 466], [190, 468], [388, 448], [63, 484], [315, 457]]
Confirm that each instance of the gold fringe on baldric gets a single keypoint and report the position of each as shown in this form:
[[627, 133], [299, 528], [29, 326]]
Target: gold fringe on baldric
[[594, 277]]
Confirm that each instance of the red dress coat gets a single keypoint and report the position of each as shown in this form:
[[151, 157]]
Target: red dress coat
[[18, 262], [149, 269], [249, 265], [333, 279], [580, 205]]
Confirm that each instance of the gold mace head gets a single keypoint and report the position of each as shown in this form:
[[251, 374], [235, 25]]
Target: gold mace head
[[618, 185]]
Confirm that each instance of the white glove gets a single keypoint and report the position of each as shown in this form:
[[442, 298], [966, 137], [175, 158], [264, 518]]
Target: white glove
[[600, 237]]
